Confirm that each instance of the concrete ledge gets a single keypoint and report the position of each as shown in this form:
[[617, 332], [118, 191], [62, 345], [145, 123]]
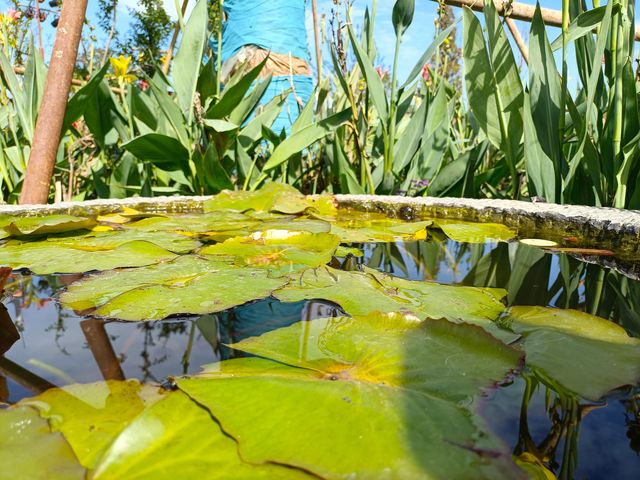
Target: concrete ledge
[[602, 227], [611, 228]]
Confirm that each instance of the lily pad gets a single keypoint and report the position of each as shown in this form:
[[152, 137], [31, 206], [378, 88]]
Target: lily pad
[[91, 416], [178, 438], [273, 197], [217, 226], [363, 227], [361, 293], [110, 240], [189, 284], [371, 397], [44, 258], [474, 232], [586, 355], [28, 449], [282, 251], [25, 226]]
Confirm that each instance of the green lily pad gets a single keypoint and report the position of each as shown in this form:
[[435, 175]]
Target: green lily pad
[[364, 227], [282, 251], [25, 226], [473, 232], [342, 252], [110, 240], [91, 416], [176, 438], [361, 293], [273, 197], [189, 284], [371, 397], [295, 224], [586, 355], [217, 226], [28, 448], [44, 258]]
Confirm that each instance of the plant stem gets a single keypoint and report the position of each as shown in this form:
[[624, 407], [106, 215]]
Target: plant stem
[[219, 55], [599, 287], [388, 164], [112, 32], [617, 40], [563, 92], [372, 23]]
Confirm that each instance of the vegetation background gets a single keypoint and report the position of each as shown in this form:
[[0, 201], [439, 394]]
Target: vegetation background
[[465, 117]]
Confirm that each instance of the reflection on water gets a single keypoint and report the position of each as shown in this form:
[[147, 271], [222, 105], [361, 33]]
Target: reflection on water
[[47, 346]]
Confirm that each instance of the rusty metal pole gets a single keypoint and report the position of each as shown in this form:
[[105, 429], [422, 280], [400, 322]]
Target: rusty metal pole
[[54, 103]]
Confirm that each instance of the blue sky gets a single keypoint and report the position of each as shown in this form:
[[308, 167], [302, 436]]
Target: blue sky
[[417, 38]]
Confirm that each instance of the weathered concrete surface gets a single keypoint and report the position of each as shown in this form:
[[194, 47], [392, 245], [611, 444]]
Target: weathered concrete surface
[[603, 227], [99, 207]]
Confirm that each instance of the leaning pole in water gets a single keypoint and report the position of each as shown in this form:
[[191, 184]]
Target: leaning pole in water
[[255, 29]]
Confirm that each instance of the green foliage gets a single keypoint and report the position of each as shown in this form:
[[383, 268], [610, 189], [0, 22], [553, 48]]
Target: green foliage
[[365, 130]]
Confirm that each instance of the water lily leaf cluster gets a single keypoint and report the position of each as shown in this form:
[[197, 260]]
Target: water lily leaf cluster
[[130, 238], [402, 385]]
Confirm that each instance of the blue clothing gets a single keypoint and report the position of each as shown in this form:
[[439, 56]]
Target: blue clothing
[[277, 26], [274, 25]]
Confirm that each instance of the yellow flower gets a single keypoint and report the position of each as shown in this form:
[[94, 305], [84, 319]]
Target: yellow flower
[[120, 67]]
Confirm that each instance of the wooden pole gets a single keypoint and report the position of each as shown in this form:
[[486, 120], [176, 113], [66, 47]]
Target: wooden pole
[[518, 11], [54, 103]]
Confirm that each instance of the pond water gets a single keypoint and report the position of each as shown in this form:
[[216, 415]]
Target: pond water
[[572, 437], [58, 347]]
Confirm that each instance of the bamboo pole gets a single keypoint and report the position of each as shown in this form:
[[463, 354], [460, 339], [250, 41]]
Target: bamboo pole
[[518, 11], [174, 40], [513, 28], [54, 103]]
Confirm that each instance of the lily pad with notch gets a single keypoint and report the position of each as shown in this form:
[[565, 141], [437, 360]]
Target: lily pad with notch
[[22, 226], [44, 258], [187, 285], [401, 385]]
